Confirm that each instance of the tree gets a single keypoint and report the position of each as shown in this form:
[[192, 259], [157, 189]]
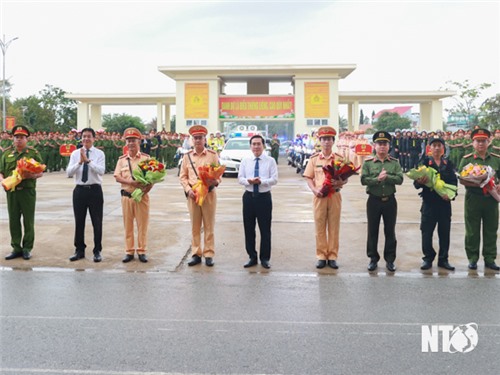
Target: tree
[[64, 110], [466, 100], [118, 123], [30, 112], [389, 122], [172, 124], [491, 113], [361, 117]]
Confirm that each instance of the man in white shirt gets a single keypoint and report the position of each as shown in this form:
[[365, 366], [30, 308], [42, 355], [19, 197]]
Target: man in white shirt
[[257, 174], [87, 165]]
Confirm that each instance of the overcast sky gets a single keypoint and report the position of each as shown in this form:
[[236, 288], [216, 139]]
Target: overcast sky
[[117, 46]]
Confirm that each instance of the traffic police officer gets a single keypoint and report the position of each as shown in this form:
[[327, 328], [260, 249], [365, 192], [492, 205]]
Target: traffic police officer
[[132, 209], [21, 201], [481, 207], [205, 214], [380, 174], [326, 209]]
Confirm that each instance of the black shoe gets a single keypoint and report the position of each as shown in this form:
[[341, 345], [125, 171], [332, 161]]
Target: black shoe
[[250, 263], [142, 258], [26, 255], [446, 265], [473, 266], [128, 258], [14, 255], [426, 264], [77, 256], [390, 266], [209, 262], [194, 261], [321, 264], [265, 264], [333, 264], [492, 266], [97, 257], [372, 266]]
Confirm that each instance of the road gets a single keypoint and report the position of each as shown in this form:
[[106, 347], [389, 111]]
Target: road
[[59, 317]]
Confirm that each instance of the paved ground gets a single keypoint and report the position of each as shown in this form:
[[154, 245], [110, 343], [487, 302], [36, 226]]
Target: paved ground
[[169, 233]]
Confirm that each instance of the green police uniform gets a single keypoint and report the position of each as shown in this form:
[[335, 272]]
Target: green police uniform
[[381, 203], [21, 201], [480, 207]]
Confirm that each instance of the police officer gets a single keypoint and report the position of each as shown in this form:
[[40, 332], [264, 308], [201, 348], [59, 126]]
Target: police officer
[[21, 201], [132, 210], [436, 209], [481, 207], [205, 214], [380, 174], [326, 209]]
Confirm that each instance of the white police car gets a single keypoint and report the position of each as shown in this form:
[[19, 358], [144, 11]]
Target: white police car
[[234, 151]]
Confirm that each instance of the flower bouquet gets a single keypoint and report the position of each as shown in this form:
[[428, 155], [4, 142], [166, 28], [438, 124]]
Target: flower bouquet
[[23, 166], [481, 175], [149, 171], [337, 170], [434, 181], [206, 172]]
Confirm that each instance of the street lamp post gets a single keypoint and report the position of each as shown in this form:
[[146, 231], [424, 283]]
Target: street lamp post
[[4, 46]]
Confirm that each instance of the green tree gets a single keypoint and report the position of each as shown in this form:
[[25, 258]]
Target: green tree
[[389, 122], [361, 117], [64, 110], [119, 122], [30, 112], [466, 100], [172, 124], [491, 113]]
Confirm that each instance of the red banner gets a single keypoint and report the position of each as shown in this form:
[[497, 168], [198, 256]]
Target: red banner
[[66, 149], [255, 107], [363, 149], [10, 122]]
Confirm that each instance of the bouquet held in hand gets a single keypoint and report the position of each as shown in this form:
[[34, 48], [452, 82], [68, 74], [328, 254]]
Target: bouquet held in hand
[[337, 170], [205, 173], [23, 167], [434, 181], [149, 171], [482, 176]]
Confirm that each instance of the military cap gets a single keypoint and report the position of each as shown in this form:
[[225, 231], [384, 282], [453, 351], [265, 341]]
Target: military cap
[[198, 130], [382, 136], [436, 139], [20, 130], [480, 134], [326, 131], [132, 133]]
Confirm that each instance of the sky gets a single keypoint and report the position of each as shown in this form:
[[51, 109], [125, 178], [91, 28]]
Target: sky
[[117, 46]]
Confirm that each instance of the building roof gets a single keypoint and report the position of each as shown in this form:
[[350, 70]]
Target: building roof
[[399, 110]]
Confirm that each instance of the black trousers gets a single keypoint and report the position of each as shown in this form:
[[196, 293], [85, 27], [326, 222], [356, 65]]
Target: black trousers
[[258, 207], [432, 214], [89, 198], [386, 208]]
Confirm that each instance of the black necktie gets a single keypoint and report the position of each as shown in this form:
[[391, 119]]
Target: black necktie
[[256, 174], [85, 174]]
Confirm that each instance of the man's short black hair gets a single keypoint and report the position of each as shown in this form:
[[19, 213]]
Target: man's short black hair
[[89, 130], [258, 136]]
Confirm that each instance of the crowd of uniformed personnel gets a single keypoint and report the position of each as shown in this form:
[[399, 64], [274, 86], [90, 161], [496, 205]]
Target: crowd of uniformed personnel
[[161, 145]]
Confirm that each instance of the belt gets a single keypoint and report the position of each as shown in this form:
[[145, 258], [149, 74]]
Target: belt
[[125, 193], [87, 186], [383, 198], [257, 194]]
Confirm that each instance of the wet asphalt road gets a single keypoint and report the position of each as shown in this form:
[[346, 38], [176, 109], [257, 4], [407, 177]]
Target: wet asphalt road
[[234, 323], [164, 318]]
